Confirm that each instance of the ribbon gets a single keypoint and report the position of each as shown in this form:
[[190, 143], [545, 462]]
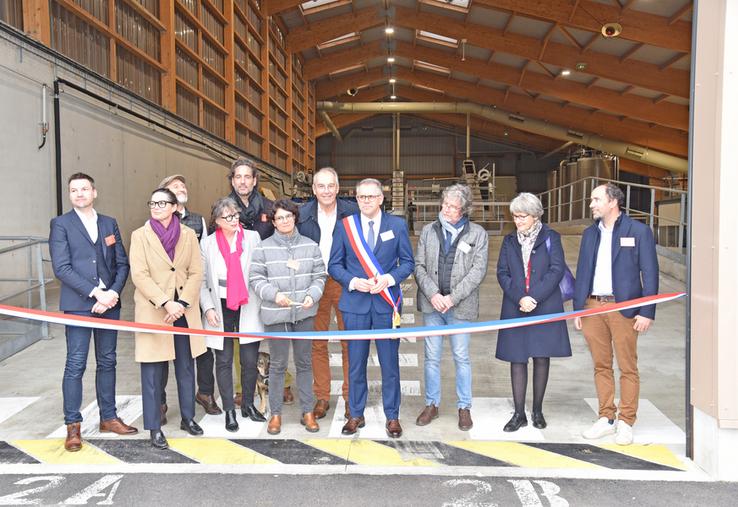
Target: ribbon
[[363, 334]]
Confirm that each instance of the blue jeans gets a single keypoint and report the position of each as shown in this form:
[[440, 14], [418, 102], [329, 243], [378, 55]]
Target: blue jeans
[[433, 352], [78, 346]]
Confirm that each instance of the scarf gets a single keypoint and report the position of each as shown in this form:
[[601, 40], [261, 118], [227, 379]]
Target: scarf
[[451, 230], [527, 239], [251, 209], [169, 236], [236, 292]]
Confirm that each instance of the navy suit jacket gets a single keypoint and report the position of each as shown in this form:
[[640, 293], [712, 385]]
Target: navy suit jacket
[[635, 269], [395, 256], [74, 257], [308, 224]]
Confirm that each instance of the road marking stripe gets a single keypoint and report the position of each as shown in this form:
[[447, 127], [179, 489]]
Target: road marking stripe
[[655, 453], [129, 408], [218, 451], [52, 452], [522, 455], [367, 452], [11, 406]]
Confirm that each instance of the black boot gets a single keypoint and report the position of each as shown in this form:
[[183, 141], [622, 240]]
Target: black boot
[[253, 414], [515, 423], [231, 424]]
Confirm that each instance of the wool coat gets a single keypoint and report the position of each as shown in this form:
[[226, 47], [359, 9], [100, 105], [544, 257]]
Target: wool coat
[[517, 345], [157, 278]]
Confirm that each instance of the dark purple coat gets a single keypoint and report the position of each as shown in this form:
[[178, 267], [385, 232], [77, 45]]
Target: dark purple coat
[[547, 268]]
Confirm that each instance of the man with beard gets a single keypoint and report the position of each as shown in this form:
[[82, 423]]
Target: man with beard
[[254, 206]]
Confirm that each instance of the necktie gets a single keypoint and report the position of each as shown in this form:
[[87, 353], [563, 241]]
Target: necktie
[[447, 243], [370, 241]]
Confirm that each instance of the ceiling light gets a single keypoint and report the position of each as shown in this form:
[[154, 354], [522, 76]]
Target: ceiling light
[[581, 66], [390, 59], [393, 97], [392, 80], [610, 30], [389, 30], [565, 72]]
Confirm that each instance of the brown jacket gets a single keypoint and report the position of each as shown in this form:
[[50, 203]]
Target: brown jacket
[[156, 278]]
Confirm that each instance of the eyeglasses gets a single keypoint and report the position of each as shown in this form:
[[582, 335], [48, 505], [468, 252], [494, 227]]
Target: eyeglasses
[[367, 198], [451, 207], [231, 218], [158, 204], [284, 218], [520, 218]]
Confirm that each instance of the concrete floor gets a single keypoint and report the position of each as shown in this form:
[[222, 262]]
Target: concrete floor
[[31, 396]]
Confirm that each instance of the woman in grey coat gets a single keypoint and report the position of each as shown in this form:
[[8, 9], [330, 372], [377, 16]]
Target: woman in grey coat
[[288, 274], [450, 264]]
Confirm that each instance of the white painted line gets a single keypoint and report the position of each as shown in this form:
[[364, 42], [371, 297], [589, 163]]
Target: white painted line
[[407, 388], [410, 339], [490, 416], [651, 427], [408, 318], [214, 426], [408, 302], [406, 360], [11, 406], [129, 408], [375, 421]]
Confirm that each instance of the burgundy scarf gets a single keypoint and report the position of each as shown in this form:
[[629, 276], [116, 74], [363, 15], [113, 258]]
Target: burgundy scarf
[[169, 236], [236, 292]]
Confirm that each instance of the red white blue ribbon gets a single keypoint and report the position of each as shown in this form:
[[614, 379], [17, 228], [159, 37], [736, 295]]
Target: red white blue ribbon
[[372, 334]]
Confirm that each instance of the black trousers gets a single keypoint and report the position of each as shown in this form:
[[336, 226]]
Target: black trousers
[[248, 355], [205, 377]]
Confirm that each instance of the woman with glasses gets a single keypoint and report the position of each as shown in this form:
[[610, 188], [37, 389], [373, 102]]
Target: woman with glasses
[[288, 274], [529, 270], [229, 306], [167, 271]]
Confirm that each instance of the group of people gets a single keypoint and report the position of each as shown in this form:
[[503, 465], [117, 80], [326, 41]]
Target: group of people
[[276, 267]]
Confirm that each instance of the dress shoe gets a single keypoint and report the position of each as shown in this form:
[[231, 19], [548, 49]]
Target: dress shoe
[[352, 425], [237, 399], [231, 424], [207, 401], [288, 398], [252, 413], [275, 425], [321, 408], [538, 420], [158, 439], [191, 427], [163, 408], [516, 422], [394, 430], [429, 413], [117, 426], [465, 420], [308, 420], [73, 441]]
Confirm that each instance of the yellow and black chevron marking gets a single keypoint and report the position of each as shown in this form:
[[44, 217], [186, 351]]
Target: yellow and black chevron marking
[[343, 452]]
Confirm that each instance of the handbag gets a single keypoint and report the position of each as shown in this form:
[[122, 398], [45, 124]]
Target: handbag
[[566, 285]]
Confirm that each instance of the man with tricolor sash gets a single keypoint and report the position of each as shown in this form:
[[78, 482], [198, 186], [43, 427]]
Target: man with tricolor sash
[[370, 256]]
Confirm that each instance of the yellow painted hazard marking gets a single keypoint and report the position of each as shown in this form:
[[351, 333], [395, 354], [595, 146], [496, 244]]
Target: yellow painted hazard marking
[[217, 451], [52, 452], [367, 452], [522, 455], [654, 453]]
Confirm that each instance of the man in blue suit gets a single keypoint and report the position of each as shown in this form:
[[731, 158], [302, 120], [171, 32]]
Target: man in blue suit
[[370, 256], [89, 260], [617, 262]]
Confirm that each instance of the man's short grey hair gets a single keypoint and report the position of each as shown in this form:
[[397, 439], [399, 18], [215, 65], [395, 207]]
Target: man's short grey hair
[[370, 181], [459, 192], [221, 205], [327, 169], [528, 204]]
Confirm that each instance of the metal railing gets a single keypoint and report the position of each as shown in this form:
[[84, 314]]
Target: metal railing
[[490, 215], [663, 209], [23, 280]]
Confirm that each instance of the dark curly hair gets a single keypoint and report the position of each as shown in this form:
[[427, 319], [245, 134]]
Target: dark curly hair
[[286, 205]]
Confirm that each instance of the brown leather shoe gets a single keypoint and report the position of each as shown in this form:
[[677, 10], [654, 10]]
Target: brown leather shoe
[[117, 426], [288, 398], [321, 408], [308, 420], [275, 425], [465, 420], [394, 430], [429, 413], [352, 425], [237, 399], [163, 409], [73, 441], [207, 401]]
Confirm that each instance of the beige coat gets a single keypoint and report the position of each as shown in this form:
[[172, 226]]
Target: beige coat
[[156, 278]]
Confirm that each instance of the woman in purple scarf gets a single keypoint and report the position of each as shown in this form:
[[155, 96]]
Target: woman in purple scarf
[[167, 271]]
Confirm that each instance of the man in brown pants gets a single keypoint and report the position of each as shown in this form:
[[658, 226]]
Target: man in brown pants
[[617, 262], [318, 219]]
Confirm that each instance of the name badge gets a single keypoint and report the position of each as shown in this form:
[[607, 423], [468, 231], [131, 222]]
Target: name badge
[[387, 235], [110, 240], [293, 264], [464, 246], [627, 242]]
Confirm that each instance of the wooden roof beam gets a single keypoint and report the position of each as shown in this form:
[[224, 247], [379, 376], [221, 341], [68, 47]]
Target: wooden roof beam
[[272, 7], [671, 81], [681, 12], [569, 37], [319, 67], [326, 89], [304, 37], [637, 26]]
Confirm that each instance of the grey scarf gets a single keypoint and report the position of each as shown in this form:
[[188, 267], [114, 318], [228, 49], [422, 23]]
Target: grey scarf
[[527, 239]]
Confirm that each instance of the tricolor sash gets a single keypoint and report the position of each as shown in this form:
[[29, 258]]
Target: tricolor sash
[[369, 263]]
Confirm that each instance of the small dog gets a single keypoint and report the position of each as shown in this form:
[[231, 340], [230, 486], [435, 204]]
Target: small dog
[[262, 380]]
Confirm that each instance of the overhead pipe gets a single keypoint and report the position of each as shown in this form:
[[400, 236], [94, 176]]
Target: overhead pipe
[[619, 148], [331, 126]]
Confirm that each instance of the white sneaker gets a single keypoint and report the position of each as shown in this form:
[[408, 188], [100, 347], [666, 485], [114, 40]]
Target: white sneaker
[[624, 435], [599, 429]]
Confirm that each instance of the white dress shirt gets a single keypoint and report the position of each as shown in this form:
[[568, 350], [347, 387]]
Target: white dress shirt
[[221, 270], [365, 228], [90, 224], [327, 223], [602, 283]]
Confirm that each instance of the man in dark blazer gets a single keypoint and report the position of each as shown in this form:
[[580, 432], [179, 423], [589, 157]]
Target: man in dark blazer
[[89, 260], [318, 220], [255, 207], [384, 238], [617, 262]]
